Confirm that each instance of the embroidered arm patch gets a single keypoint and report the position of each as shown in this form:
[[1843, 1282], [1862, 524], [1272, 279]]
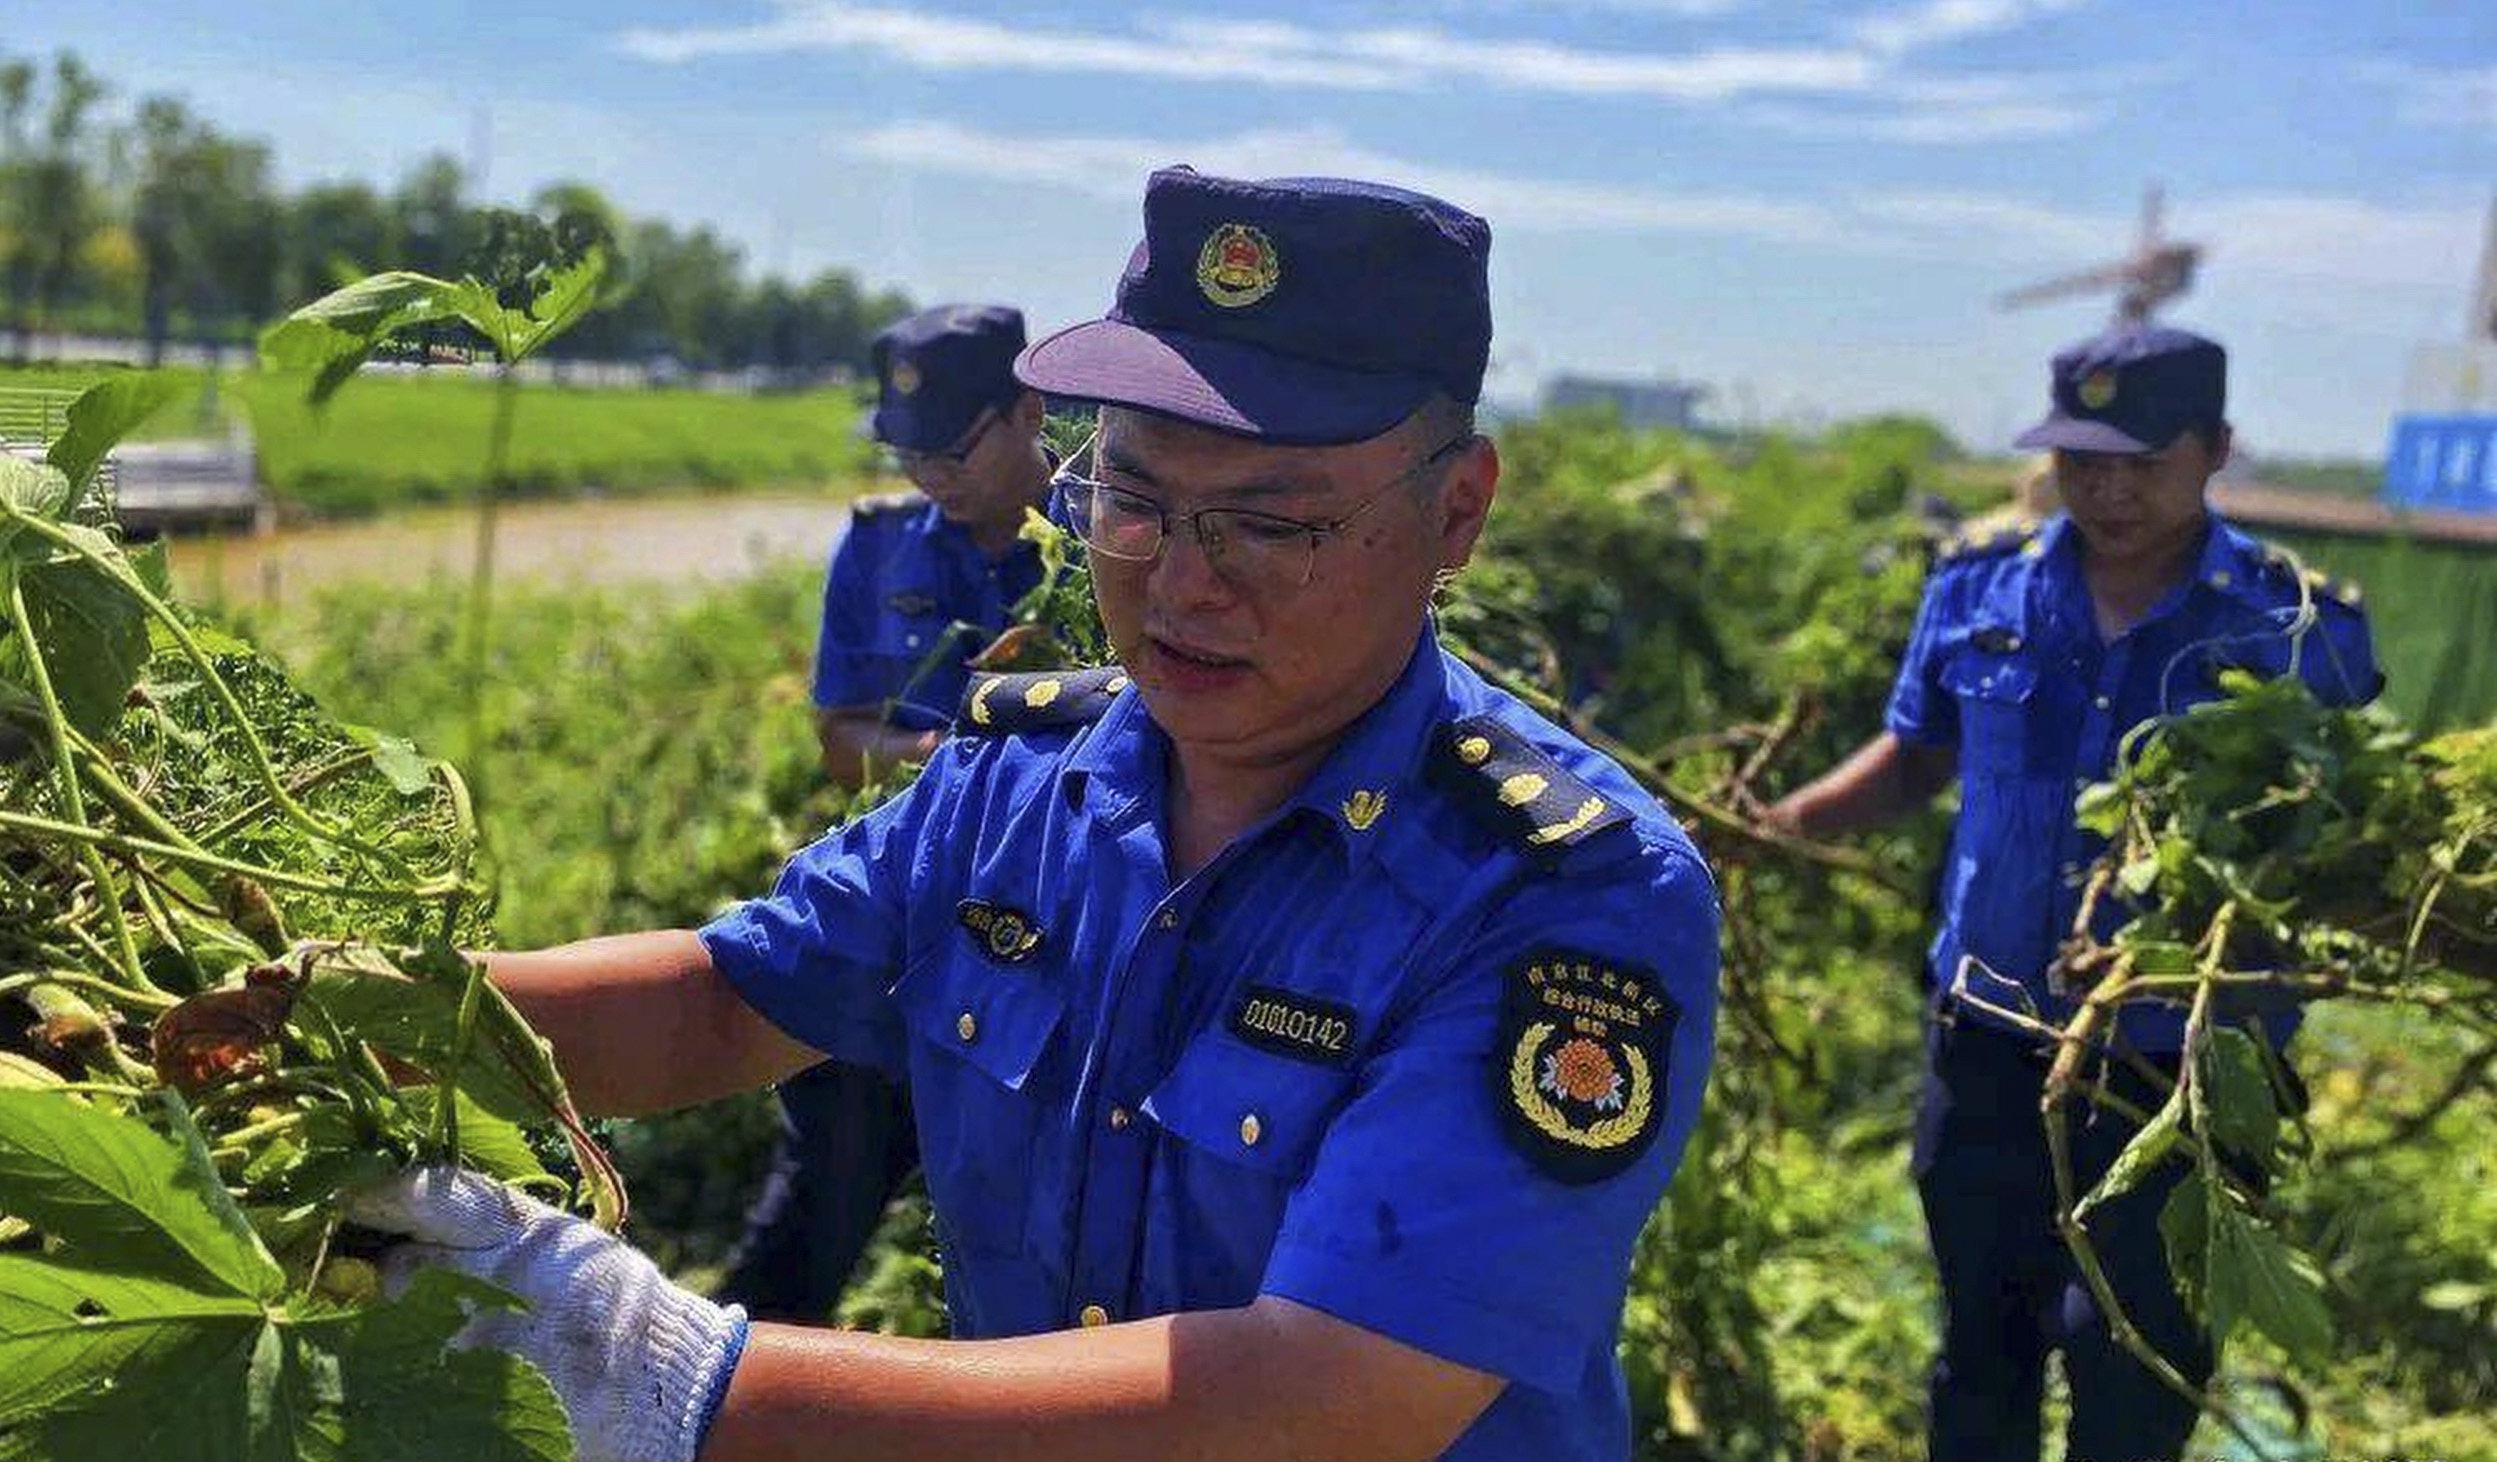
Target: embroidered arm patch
[[1579, 1070]]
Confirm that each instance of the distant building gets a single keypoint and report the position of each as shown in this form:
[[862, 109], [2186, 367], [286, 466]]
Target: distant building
[[1658, 403]]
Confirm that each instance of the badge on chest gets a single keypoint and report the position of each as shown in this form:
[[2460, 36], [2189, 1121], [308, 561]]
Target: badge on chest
[[911, 604], [1581, 1062], [1006, 935]]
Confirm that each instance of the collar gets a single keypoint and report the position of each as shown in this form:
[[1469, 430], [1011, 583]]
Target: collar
[[1376, 766], [2228, 562]]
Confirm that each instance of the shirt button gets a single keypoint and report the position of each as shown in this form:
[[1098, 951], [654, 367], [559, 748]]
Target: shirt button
[[1093, 1317], [1169, 919], [2101, 702], [1250, 1130], [1119, 1119], [966, 1027], [911, 640]]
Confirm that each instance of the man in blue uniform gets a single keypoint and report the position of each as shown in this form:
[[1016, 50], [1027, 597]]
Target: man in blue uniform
[[1299, 1029], [922, 580], [2036, 651]]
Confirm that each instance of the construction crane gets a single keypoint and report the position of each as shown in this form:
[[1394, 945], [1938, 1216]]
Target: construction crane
[[2158, 270]]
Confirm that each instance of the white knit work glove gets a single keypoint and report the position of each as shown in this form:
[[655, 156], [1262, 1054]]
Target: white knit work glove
[[639, 1363]]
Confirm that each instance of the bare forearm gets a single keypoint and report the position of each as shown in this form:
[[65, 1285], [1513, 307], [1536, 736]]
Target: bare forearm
[[1882, 781], [643, 1023], [1210, 1386], [857, 746]]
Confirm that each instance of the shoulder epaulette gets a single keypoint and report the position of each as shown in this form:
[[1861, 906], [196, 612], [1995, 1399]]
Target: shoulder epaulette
[[1985, 540], [1508, 781], [877, 504], [996, 705], [2291, 573]]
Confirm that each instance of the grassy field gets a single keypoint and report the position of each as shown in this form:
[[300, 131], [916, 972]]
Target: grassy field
[[390, 440]]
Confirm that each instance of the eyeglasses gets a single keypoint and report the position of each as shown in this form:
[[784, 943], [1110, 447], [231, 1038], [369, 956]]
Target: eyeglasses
[[1249, 548], [906, 461]]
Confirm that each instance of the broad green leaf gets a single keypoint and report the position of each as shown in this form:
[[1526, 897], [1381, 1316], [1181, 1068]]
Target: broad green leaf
[[33, 488], [488, 1143], [2237, 1096], [409, 1401], [92, 630], [2149, 1147], [2185, 1232], [120, 1194], [102, 415], [2257, 1277], [332, 337], [64, 1325]]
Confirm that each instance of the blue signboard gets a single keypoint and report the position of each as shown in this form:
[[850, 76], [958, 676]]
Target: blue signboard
[[2445, 464]]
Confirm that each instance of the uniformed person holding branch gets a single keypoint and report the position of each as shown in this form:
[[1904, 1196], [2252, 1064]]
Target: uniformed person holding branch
[[1299, 1029], [919, 583], [2037, 650]]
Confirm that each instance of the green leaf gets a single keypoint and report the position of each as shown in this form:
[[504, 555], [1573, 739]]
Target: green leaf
[[491, 1145], [2149, 1147], [2237, 1096], [396, 758], [407, 1400], [2185, 1232], [2256, 1276], [332, 337], [506, 1068], [90, 628], [33, 488], [120, 1194], [63, 1326], [102, 415]]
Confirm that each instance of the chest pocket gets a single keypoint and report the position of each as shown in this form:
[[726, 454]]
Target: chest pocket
[[986, 1068], [1258, 1114], [1996, 692]]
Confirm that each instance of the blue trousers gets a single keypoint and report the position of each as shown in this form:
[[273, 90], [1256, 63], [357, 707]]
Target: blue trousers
[[845, 1147], [2010, 1291]]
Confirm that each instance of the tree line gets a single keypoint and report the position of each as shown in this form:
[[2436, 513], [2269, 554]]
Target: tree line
[[153, 223]]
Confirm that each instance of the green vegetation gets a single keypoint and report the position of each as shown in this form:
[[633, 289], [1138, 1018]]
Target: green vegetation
[[396, 440], [1726, 623]]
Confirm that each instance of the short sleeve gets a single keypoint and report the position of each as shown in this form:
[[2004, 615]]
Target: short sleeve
[[850, 670], [816, 956], [1920, 710], [1428, 1216]]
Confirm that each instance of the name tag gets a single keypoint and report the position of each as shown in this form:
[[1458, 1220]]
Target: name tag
[[1290, 1024]]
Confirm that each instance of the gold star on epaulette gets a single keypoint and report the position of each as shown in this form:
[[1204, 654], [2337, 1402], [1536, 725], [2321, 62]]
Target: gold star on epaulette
[[1514, 785], [2339, 591], [996, 705]]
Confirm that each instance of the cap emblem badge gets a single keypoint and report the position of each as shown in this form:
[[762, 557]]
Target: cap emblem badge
[[2098, 390], [905, 377], [1238, 266]]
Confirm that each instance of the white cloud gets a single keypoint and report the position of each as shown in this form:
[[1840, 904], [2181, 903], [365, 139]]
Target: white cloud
[[1213, 47], [1952, 125], [1937, 22], [1109, 167], [2430, 97], [2312, 255]]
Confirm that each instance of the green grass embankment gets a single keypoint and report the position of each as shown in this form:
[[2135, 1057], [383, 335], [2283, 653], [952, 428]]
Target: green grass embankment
[[389, 441], [2432, 607]]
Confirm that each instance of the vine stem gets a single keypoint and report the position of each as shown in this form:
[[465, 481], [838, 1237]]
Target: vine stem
[[425, 892], [65, 772]]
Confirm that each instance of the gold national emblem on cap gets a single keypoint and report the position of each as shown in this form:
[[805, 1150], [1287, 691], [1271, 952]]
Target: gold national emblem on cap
[[2098, 390], [1238, 266], [905, 377]]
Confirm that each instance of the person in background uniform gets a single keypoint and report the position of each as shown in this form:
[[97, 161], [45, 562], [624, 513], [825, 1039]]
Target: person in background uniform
[[2036, 650], [1299, 1029], [918, 585], [923, 580]]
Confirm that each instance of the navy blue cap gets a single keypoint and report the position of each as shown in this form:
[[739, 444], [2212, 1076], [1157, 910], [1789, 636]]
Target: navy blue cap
[[1306, 311], [2134, 389], [937, 370]]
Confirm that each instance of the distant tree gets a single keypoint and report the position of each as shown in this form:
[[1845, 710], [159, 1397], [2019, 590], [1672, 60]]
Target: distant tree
[[337, 233], [52, 201], [209, 225], [436, 227]]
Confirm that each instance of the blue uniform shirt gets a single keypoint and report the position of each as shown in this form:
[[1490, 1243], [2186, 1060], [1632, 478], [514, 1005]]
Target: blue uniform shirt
[[2006, 665], [908, 599], [1292, 1073]]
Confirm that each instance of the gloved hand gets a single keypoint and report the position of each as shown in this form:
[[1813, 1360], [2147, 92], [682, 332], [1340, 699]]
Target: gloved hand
[[640, 1364]]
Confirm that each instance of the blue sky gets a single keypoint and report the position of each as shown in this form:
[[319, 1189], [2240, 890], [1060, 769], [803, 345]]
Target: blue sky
[[1808, 208]]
